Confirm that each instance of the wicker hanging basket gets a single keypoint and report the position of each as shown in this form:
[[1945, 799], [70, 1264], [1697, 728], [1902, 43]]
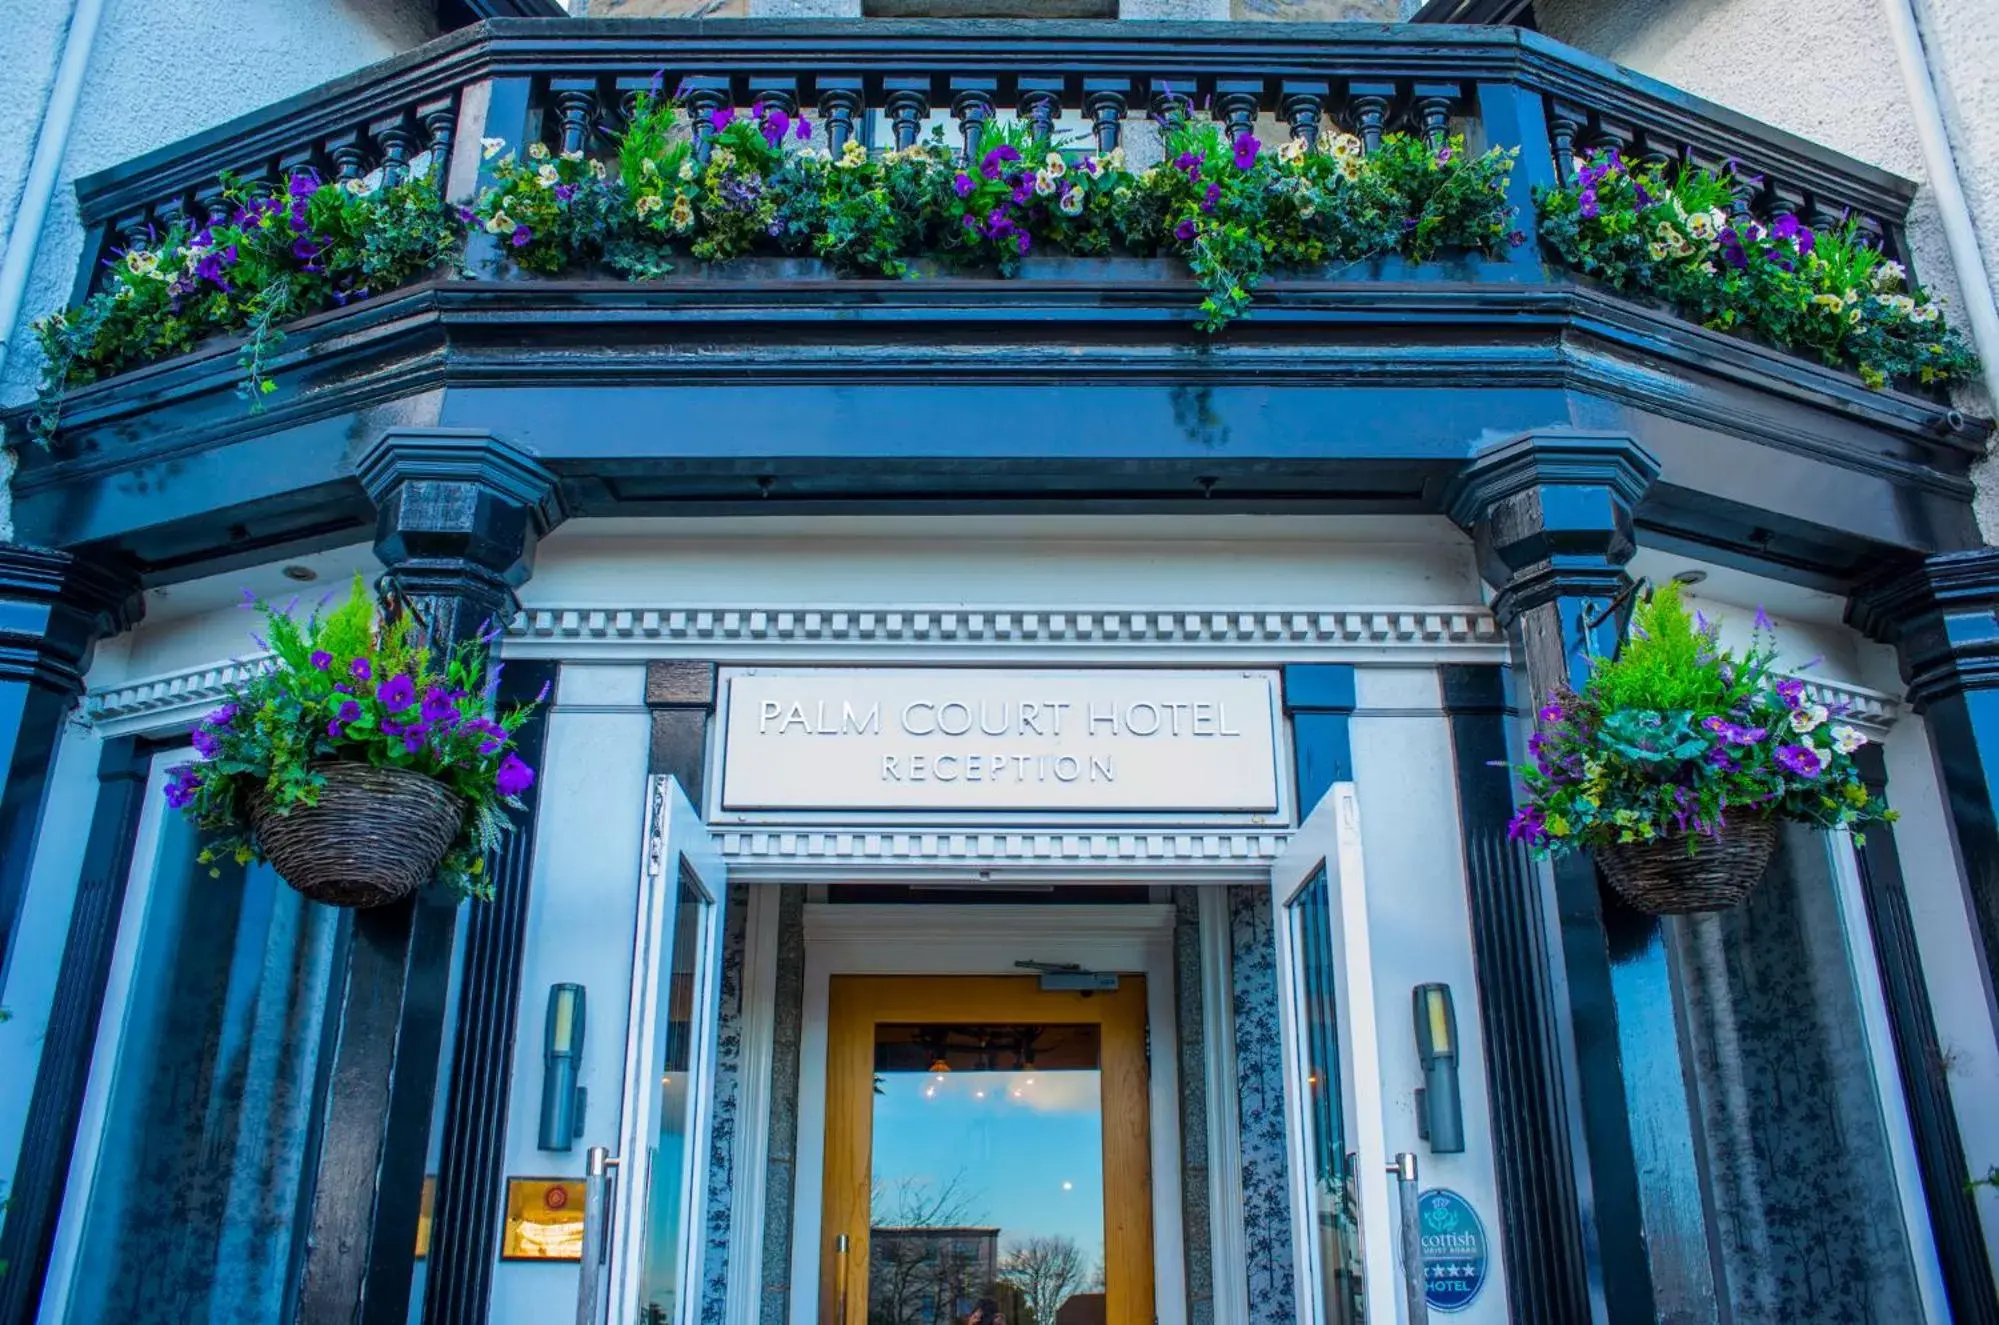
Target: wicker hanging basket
[[1663, 878], [375, 837]]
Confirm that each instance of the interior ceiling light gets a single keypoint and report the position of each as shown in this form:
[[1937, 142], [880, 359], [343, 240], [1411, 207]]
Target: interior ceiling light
[[303, 574]]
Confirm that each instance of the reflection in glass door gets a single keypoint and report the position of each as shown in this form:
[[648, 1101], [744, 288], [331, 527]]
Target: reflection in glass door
[[987, 1197], [987, 1154], [669, 1061]]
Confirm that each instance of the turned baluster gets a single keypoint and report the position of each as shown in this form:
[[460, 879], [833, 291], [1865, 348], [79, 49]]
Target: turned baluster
[[1304, 103], [575, 101], [1236, 103], [839, 103], [972, 107], [1565, 123], [396, 136], [1433, 107], [1171, 108], [350, 155], [1367, 106], [1040, 101], [769, 94], [440, 121], [907, 103], [1104, 101], [704, 96]]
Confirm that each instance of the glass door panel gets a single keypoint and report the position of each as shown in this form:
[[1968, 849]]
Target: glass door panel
[[669, 1061], [987, 1154], [987, 1199], [1346, 1241]]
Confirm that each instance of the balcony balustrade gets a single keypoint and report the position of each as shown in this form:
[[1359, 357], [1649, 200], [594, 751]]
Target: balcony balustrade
[[571, 85]]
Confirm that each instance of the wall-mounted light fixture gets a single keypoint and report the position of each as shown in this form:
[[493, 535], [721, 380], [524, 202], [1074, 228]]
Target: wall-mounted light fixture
[[562, 1100], [1440, 1117]]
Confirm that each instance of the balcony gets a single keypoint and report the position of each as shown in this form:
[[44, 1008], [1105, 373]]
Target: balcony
[[1349, 388]]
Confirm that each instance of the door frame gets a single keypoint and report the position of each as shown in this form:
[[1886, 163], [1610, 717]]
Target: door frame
[[948, 939]]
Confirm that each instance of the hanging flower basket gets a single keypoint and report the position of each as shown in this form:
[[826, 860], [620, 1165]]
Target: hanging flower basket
[[375, 836], [1665, 878], [1678, 760], [362, 763]]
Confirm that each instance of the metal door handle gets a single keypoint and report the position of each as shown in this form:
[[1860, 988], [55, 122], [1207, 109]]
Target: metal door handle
[[599, 1166], [840, 1249], [1403, 1168]]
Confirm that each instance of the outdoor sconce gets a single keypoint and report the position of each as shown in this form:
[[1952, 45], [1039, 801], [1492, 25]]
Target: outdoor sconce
[[1440, 1115], [562, 1100]]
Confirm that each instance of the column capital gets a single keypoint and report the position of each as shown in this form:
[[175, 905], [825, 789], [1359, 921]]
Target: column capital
[[458, 513], [53, 608], [1942, 616], [1550, 513]]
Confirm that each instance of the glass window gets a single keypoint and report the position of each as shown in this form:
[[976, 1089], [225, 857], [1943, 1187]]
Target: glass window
[[1807, 1214], [667, 1195], [195, 1205], [1334, 1214], [988, 1183]]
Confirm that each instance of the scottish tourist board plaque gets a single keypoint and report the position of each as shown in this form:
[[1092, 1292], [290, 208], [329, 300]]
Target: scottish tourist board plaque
[[1454, 1249], [944, 739]]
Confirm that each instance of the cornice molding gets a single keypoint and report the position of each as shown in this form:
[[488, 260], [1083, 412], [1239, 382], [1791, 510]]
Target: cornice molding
[[1000, 857], [1871, 711], [169, 699], [732, 633], [1556, 457]]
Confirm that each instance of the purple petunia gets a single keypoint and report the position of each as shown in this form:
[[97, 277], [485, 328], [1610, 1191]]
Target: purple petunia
[[439, 707], [1213, 196], [721, 117], [1246, 148], [221, 717], [182, 783], [1550, 713], [802, 130], [333, 728], [321, 660], [397, 693], [1189, 162], [1735, 733], [1023, 242], [205, 742], [1792, 691], [963, 185], [349, 710], [1185, 231], [361, 670], [1798, 760], [774, 126], [521, 236], [1587, 205], [513, 776], [564, 192], [1527, 825]]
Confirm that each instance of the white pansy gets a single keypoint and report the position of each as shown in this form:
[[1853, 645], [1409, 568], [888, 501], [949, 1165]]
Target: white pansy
[[1809, 718], [360, 188], [1845, 739], [1044, 183], [1822, 754], [538, 151], [491, 147], [1055, 165], [547, 176], [1072, 203]]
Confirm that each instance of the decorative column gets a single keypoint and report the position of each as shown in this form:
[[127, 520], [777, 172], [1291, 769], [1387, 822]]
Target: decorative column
[[1943, 619], [1551, 516], [459, 514], [53, 609]]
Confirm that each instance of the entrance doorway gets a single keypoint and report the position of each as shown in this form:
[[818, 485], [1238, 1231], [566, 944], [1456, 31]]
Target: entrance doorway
[[988, 1144]]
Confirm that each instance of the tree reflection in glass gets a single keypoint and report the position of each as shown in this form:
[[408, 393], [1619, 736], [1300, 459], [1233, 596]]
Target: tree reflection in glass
[[988, 1199]]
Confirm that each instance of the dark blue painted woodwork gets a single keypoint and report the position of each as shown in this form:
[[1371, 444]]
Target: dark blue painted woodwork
[[460, 514], [1943, 618], [53, 610], [471, 1178], [35, 1195], [1547, 1277], [1919, 1061], [1551, 518], [1319, 697]]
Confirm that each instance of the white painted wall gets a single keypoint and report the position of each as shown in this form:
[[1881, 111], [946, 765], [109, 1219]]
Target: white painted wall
[[1419, 921], [581, 930]]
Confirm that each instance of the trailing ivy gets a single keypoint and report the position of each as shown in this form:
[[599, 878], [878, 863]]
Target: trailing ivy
[[1829, 293], [284, 251], [1232, 210]]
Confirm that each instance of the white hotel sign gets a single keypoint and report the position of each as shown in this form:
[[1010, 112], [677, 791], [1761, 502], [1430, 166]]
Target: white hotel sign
[[947, 739]]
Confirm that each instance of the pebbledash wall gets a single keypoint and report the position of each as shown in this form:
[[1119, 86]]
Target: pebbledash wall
[[1827, 70], [153, 72], [1395, 597]]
